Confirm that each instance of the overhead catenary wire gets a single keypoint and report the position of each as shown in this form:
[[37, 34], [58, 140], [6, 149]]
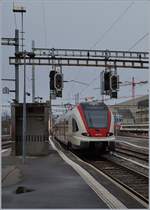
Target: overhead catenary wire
[[103, 36], [88, 85], [138, 41], [112, 25], [96, 78], [107, 30]]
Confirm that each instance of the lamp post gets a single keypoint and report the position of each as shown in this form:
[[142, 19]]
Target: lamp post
[[20, 9], [23, 55]]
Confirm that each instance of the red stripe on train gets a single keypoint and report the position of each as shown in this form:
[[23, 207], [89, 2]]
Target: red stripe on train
[[82, 116]]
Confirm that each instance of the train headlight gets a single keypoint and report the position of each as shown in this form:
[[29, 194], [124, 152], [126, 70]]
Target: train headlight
[[110, 134], [85, 134]]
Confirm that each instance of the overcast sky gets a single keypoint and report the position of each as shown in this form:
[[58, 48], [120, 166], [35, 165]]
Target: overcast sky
[[77, 24]]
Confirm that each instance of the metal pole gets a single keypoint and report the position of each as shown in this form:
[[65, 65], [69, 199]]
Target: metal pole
[[50, 113], [78, 98], [102, 85], [22, 28], [50, 98], [133, 88], [50, 101], [24, 113], [33, 76], [16, 66], [75, 96]]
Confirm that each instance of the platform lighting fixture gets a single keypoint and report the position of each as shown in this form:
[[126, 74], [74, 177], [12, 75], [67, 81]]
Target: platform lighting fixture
[[18, 8]]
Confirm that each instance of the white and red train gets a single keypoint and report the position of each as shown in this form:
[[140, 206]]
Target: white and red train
[[87, 124]]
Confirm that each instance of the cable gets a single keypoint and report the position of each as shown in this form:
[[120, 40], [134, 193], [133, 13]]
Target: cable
[[112, 25], [44, 22], [138, 41], [96, 78], [87, 86], [103, 35]]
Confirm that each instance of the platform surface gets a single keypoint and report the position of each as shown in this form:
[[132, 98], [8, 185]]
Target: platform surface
[[54, 183]]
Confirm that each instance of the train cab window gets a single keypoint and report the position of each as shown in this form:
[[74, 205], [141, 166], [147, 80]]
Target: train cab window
[[74, 125], [96, 116]]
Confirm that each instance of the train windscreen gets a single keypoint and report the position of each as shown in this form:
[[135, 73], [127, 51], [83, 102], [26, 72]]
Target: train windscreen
[[96, 116]]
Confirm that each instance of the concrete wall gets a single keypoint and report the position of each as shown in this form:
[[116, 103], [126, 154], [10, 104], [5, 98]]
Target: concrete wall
[[37, 129]]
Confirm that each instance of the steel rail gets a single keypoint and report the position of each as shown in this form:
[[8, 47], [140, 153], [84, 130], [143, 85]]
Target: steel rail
[[94, 166], [145, 199], [129, 188], [131, 153]]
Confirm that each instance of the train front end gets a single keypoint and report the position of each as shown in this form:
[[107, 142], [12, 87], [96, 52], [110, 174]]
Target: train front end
[[98, 124]]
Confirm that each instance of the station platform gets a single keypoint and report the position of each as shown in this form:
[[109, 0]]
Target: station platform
[[48, 182]]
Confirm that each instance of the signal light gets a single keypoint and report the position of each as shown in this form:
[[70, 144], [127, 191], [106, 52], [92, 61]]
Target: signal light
[[58, 81], [107, 81], [58, 84], [114, 81], [59, 93], [114, 94], [51, 75]]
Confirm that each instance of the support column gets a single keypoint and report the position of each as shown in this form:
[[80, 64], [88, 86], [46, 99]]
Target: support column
[[16, 66], [33, 76]]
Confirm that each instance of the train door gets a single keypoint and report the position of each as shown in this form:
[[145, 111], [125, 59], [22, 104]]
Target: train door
[[64, 133], [69, 134], [66, 127]]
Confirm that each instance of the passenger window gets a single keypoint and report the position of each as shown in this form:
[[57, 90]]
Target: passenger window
[[74, 126]]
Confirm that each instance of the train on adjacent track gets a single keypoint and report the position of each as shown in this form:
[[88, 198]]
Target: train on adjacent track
[[87, 125]]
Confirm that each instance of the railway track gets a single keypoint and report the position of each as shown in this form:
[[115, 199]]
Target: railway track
[[133, 181], [6, 142], [132, 152], [127, 134]]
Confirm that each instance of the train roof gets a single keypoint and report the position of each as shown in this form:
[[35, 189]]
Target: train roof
[[93, 104], [85, 105]]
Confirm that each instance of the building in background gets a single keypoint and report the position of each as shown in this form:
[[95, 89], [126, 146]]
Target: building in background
[[142, 113], [134, 111]]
